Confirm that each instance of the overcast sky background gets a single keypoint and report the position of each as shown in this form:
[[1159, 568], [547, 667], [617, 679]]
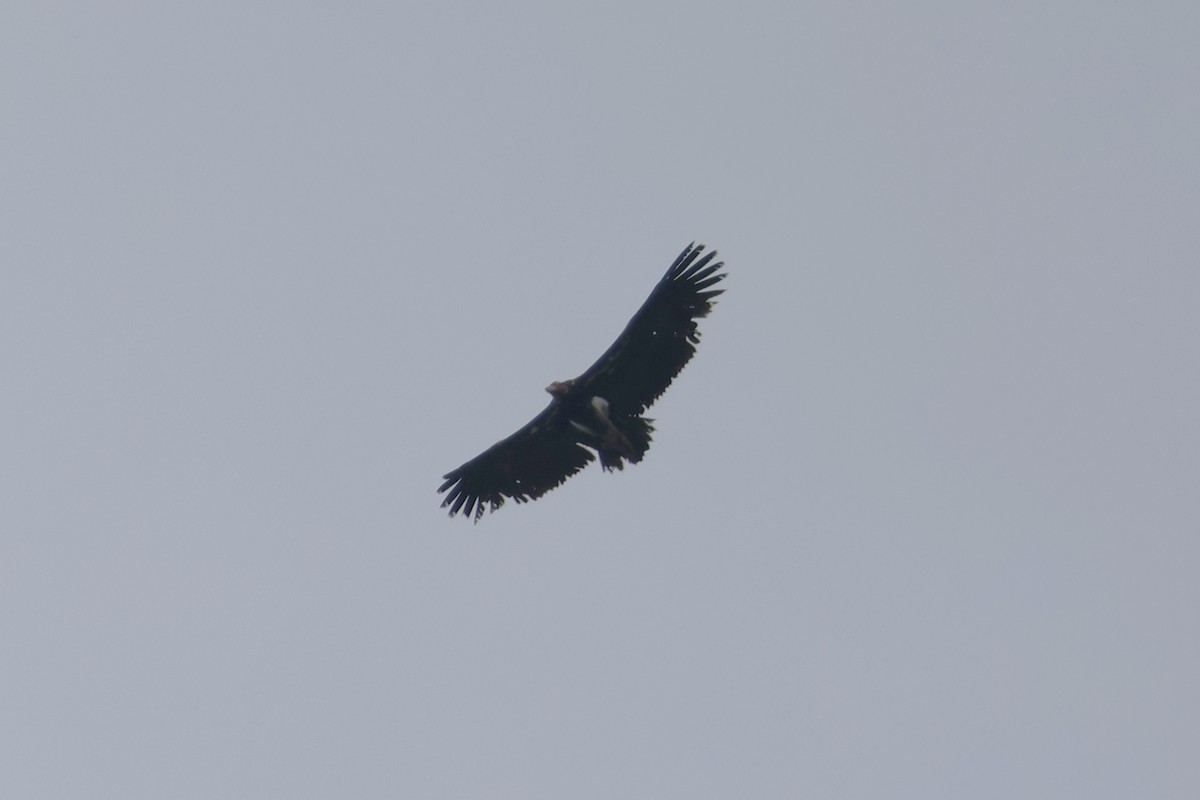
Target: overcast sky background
[[920, 520]]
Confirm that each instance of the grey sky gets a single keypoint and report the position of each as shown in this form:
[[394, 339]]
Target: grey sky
[[920, 519]]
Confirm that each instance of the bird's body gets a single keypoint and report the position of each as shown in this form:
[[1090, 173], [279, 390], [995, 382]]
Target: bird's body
[[601, 410]]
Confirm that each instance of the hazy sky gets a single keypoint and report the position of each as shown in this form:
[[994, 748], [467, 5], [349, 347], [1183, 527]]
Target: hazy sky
[[921, 520]]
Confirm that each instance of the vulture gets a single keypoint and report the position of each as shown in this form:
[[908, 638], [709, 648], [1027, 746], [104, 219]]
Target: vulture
[[601, 410]]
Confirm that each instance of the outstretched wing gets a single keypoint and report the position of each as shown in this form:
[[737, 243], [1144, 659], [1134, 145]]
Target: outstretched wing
[[660, 339], [524, 466]]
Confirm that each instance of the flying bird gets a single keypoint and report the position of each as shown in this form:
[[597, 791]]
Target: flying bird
[[601, 410]]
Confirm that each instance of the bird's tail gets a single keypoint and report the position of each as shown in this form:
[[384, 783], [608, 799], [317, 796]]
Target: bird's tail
[[625, 440]]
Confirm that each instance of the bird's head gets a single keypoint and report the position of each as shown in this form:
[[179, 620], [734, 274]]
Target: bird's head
[[559, 388]]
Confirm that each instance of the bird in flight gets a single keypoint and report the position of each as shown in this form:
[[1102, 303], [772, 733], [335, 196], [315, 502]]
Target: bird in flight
[[601, 410]]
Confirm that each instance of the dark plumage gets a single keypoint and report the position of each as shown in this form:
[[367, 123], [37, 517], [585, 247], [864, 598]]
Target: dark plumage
[[601, 409]]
